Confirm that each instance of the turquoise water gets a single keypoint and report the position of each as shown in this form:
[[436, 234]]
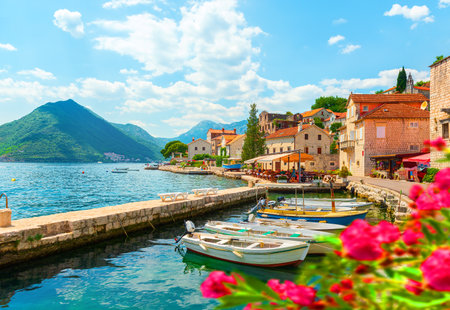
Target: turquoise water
[[42, 189]]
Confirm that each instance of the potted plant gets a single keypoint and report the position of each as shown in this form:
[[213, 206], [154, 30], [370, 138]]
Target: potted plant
[[344, 173], [282, 179]]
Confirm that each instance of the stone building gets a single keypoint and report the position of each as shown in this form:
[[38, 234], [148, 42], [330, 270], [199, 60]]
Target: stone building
[[234, 147], [336, 117], [440, 106], [219, 143], [214, 133], [322, 113], [411, 89], [381, 126], [271, 122], [315, 141], [198, 146]]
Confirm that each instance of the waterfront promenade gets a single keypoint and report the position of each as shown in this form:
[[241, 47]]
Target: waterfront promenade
[[394, 185]]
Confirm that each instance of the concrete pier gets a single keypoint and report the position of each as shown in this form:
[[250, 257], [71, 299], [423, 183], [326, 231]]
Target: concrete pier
[[30, 238]]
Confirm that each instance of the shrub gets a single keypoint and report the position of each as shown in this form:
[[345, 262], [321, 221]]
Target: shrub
[[429, 177], [343, 173], [173, 162], [201, 156]]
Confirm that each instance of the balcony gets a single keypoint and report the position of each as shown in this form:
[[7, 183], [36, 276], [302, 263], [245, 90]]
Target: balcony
[[346, 145]]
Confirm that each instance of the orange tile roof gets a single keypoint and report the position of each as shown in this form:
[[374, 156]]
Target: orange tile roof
[[340, 114], [286, 132], [311, 113], [227, 137], [388, 98], [220, 131], [396, 110], [392, 88], [422, 87], [235, 139]]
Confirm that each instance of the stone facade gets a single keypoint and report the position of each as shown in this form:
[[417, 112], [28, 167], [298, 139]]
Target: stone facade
[[440, 106], [267, 125], [322, 113], [198, 146], [234, 147], [374, 127], [316, 141], [214, 133]]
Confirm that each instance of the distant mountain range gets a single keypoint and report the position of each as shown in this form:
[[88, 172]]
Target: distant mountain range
[[65, 131]]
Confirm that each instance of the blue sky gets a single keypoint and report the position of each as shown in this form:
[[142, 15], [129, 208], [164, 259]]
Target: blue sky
[[166, 65]]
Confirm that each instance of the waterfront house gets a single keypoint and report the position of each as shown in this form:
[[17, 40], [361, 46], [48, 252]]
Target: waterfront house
[[219, 144], [281, 141], [322, 113], [271, 122], [381, 129], [198, 146], [440, 106], [234, 147], [336, 117], [316, 141]]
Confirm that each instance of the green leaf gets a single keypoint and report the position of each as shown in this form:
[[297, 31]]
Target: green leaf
[[330, 239], [437, 226], [421, 301], [428, 235], [446, 212], [238, 299], [410, 273]]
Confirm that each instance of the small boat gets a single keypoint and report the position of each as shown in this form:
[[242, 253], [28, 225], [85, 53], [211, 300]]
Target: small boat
[[151, 166], [310, 208], [325, 227], [122, 168], [262, 252], [232, 167], [119, 171], [326, 203], [133, 170], [341, 218], [272, 232]]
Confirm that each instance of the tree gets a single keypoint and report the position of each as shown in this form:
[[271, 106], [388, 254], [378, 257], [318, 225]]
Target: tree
[[335, 126], [289, 113], [438, 59], [401, 80], [333, 148], [173, 147], [254, 143], [421, 83], [336, 104], [318, 122], [379, 91]]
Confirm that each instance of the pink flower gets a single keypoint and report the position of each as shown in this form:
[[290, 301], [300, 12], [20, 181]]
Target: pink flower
[[277, 287], [414, 287], [299, 294], [433, 199], [347, 284], [213, 286], [415, 191], [438, 144], [411, 236], [442, 179], [436, 270], [335, 288], [362, 241]]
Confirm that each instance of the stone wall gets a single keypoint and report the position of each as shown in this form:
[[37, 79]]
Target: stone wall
[[36, 237], [382, 196], [439, 99]]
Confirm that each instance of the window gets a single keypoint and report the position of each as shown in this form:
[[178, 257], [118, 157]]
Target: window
[[306, 150], [274, 150], [319, 137], [357, 163], [413, 125], [281, 150], [352, 135], [203, 148], [195, 148], [306, 136], [360, 133], [311, 164], [445, 133], [413, 147], [332, 163], [365, 108], [381, 132], [319, 150], [289, 148], [267, 150]]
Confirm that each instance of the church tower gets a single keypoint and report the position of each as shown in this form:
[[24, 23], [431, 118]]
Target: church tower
[[409, 85]]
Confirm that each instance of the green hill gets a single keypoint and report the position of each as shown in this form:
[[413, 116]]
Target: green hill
[[65, 131]]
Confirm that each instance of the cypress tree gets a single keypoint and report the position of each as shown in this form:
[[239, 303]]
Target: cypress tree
[[254, 143], [401, 80]]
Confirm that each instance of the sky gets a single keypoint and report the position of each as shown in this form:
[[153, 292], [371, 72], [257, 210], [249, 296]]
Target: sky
[[166, 65]]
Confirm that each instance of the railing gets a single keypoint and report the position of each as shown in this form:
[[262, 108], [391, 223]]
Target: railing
[[347, 144], [6, 198]]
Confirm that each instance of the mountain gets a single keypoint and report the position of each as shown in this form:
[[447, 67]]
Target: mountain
[[65, 131], [143, 137], [200, 130]]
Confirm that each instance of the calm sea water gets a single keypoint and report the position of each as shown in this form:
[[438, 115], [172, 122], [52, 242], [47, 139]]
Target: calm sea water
[[140, 272]]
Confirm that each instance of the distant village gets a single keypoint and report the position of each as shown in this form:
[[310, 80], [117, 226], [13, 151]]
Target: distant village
[[379, 134]]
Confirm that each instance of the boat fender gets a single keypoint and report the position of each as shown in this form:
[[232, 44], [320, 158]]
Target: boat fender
[[190, 227], [251, 218], [237, 254]]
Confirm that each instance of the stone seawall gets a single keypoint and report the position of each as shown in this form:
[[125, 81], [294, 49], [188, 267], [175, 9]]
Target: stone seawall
[[399, 203], [31, 238]]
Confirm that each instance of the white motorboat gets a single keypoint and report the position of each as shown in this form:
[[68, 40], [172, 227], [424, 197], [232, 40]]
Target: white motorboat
[[151, 166], [262, 252], [326, 227], [272, 232], [325, 203], [119, 171]]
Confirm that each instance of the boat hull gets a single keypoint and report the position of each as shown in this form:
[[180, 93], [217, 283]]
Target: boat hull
[[341, 218], [270, 257], [232, 167], [325, 227]]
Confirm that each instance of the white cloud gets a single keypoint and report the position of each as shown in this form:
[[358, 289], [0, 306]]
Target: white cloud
[[339, 21], [349, 48], [8, 47], [115, 4], [106, 90], [444, 3], [39, 73], [70, 22], [3, 71], [415, 13], [335, 39], [128, 71]]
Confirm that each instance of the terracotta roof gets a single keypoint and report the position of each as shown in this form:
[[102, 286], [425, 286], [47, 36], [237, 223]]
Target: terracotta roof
[[227, 137], [312, 112], [422, 87], [198, 140], [286, 132], [392, 88], [327, 119], [340, 114], [388, 98], [236, 138], [396, 110], [220, 131]]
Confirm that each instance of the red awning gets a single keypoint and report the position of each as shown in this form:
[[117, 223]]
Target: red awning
[[424, 158]]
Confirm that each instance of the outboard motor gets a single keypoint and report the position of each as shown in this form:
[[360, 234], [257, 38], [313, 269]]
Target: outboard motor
[[280, 199], [190, 226]]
